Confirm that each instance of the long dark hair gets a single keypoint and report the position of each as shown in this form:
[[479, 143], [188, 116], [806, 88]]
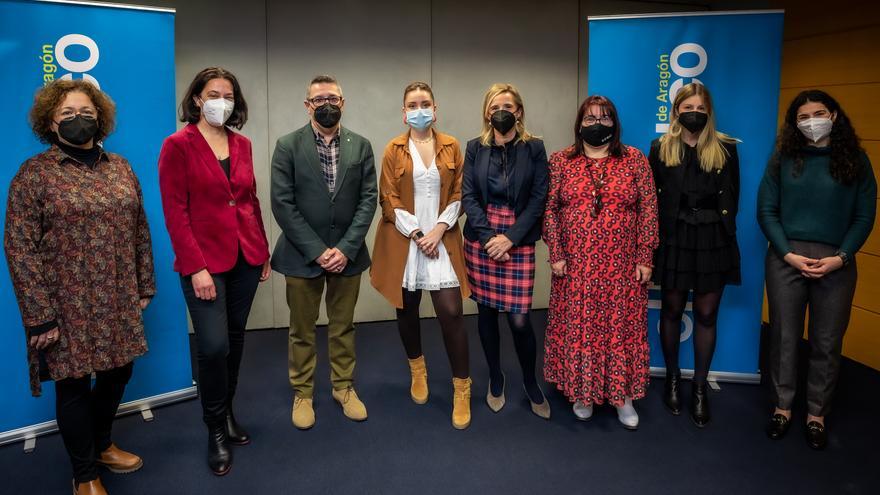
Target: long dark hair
[[846, 152], [615, 148], [190, 112]]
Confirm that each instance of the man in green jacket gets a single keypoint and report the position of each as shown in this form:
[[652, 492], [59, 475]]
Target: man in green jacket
[[323, 197]]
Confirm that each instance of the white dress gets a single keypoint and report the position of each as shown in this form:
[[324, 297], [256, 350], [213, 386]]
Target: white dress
[[422, 272]]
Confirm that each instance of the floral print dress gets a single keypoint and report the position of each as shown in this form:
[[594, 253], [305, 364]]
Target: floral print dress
[[79, 252]]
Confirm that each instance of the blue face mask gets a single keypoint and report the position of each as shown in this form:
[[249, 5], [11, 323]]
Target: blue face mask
[[421, 118]]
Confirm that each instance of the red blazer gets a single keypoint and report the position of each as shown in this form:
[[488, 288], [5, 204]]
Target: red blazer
[[208, 216]]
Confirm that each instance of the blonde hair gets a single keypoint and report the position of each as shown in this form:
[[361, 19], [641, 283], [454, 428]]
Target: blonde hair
[[709, 144], [496, 90]]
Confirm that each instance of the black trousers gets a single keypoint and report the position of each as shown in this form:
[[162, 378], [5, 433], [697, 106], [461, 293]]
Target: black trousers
[[829, 299], [85, 416], [219, 329]]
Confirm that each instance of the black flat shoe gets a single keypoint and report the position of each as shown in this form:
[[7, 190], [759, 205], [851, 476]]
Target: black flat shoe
[[817, 439], [700, 405], [219, 453], [778, 426], [671, 394], [235, 434]]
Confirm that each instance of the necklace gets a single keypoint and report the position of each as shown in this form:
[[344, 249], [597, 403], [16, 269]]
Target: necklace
[[596, 206], [424, 141]]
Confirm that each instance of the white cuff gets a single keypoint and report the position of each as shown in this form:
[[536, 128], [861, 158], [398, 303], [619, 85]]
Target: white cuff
[[405, 222], [450, 214]]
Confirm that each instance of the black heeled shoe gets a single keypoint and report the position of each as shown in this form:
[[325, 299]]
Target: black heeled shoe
[[700, 405], [219, 454], [817, 439], [671, 393], [778, 426], [235, 434]]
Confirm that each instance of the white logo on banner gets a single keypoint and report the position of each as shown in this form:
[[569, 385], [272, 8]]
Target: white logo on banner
[[58, 54], [667, 90]]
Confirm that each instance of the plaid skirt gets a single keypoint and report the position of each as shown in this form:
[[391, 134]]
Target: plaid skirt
[[504, 286]]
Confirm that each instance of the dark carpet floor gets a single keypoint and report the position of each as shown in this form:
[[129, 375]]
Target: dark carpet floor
[[407, 448]]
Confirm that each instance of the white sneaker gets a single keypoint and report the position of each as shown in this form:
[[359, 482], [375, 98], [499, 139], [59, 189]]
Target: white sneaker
[[582, 411], [627, 415]]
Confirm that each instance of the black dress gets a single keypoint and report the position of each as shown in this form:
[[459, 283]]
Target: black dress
[[698, 253]]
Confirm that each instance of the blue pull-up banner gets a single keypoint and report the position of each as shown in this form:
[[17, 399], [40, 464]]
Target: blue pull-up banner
[[129, 53], [640, 62]]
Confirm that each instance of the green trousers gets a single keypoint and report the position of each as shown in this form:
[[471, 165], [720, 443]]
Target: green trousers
[[304, 301]]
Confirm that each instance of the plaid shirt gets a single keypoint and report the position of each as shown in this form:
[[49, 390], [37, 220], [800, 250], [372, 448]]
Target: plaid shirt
[[329, 156]]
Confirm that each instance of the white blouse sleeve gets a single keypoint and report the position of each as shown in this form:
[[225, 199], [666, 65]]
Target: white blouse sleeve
[[406, 222], [450, 214]]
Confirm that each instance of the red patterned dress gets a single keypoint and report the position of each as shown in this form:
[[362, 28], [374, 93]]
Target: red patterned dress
[[596, 347]]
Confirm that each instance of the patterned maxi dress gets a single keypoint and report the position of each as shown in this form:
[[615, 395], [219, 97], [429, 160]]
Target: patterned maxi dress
[[596, 347]]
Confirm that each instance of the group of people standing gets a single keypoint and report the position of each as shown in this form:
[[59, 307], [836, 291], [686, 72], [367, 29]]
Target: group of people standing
[[614, 221]]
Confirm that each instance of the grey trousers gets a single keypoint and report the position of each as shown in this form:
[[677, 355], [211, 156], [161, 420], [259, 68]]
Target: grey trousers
[[829, 300]]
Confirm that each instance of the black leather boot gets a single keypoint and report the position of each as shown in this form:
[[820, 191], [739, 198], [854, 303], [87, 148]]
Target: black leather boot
[[235, 434], [700, 405], [219, 454], [671, 393]]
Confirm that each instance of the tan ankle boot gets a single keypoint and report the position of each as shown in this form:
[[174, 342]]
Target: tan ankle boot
[[119, 461], [418, 389], [461, 403], [93, 487]]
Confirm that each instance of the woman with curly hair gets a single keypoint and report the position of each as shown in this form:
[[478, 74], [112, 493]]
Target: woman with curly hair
[[816, 205], [79, 252]]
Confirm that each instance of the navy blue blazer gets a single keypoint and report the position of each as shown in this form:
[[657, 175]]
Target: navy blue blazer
[[530, 184]]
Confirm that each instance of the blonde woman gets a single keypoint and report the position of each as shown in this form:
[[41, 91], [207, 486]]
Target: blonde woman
[[696, 170], [420, 242], [503, 193]]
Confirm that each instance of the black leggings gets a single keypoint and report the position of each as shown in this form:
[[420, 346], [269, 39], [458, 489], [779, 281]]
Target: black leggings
[[705, 311], [219, 327], [523, 341], [447, 305], [85, 416]]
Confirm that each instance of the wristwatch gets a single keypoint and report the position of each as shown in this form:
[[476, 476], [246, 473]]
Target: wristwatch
[[843, 256], [419, 234]]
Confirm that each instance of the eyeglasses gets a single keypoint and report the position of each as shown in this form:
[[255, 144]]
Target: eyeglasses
[[604, 120], [323, 100], [70, 114]]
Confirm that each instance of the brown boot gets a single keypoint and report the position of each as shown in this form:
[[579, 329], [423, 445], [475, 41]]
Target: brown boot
[[461, 403], [418, 389], [119, 461], [93, 487]]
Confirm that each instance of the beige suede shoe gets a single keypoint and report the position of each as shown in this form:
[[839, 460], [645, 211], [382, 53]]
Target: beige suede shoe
[[352, 407]]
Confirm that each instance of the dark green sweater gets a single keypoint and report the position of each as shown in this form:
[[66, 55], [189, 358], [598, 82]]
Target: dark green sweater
[[814, 207]]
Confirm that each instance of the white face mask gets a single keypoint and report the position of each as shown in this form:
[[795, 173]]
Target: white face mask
[[217, 111], [816, 129]]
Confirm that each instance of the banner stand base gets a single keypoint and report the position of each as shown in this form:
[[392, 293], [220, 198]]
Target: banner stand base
[[144, 406], [714, 376]]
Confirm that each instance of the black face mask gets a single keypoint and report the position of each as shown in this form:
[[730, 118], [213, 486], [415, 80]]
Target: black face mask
[[328, 115], [597, 134], [503, 121], [78, 130], [693, 121]]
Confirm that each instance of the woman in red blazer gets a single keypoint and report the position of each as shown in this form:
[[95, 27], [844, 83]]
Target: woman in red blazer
[[209, 195]]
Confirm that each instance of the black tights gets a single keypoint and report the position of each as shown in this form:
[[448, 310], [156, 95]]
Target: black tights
[[85, 416], [447, 305], [705, 310], [523, 341]]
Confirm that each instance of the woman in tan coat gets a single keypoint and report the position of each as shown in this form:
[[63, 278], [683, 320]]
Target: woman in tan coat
[[418, 242]]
